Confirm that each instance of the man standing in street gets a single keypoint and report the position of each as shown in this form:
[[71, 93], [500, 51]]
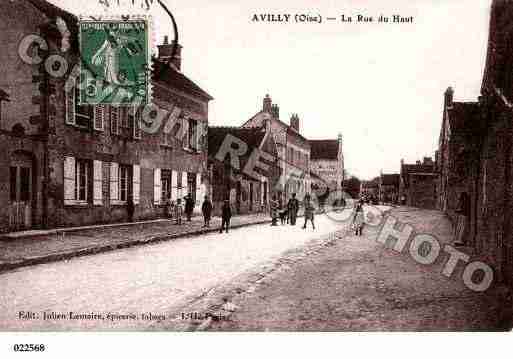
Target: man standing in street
[[189, 207], [293, 207], [226, 215], [206, 209]]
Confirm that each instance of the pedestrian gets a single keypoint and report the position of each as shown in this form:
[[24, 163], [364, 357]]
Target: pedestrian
[[189, 207], [293, 208], [206, 209], [226, 215], [358, 218], [168, 207], [274, 211], [309, 211], [462, 219], [178, 211], [130, 208]]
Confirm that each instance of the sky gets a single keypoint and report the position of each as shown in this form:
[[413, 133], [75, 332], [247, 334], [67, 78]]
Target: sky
[[380, 85]]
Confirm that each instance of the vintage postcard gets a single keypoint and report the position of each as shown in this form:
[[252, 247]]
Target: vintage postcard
[[286, 166]]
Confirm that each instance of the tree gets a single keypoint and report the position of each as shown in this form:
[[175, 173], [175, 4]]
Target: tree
[[352, 186]]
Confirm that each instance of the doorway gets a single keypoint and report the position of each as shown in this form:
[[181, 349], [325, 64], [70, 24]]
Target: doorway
[[21, 176]]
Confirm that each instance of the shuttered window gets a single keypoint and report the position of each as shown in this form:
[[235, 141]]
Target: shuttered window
[[136, 123], [69, 180], [136, 183], [114, 120], [70, 107], [114, 188], [157, 193], [99, 117], [97, 184]]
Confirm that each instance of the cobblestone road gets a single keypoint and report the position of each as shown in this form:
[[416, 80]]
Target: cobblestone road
[[151, 278], [358, 285]]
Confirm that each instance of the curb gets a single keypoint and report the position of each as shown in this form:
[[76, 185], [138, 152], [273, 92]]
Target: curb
[[55, 257]]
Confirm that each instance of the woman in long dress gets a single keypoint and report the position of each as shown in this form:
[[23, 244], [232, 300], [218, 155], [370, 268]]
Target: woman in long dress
[[358, 219]]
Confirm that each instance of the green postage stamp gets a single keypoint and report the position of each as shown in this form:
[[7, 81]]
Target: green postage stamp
[[115, 61]]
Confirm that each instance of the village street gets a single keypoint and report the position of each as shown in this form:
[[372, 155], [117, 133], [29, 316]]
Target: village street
[[347, 283], [155, 278]]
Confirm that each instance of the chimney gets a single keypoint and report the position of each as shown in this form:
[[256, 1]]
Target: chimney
[[267, 104], [449, 94], [294, 122], [166, 53], [275, 111]]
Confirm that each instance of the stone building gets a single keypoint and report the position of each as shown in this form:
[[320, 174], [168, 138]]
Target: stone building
[[72, 165], [370, 189], [388, 188], [417, 185], [457, 154], [293, 150], [327, 162], [494, 200], [249, 180]]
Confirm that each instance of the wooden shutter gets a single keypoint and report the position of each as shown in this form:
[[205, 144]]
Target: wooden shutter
[[157, 194], [70, 106], [114, 120], [137, 114], [69, 180], [183, 190], [114, 183], [185, 123], [174, 185], [97, 183], [200, 189], [136, 183], [99, 117]]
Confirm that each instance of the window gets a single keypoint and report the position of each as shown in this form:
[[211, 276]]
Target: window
[[135, 115], [99, 117], [192, 134], [125, 121], [124, 182], [165, 180], [77, 115], [13, 178], [114, 120], [83, 114], [81, 180]]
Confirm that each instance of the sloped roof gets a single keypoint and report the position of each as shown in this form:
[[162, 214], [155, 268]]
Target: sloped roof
[[167, 74], [390, 179], [4, 96], [407, 169], [289, 129], [324, 149]]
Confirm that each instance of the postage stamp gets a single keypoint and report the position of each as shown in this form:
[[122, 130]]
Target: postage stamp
[[115, 61]]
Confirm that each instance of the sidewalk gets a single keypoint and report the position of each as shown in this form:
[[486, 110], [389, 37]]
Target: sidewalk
[[35, 247]]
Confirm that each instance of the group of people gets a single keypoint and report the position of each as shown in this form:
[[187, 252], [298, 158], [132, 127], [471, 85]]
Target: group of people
[[288, 214], [176, 210]]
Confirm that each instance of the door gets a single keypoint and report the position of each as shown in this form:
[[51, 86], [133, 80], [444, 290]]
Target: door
[[251, 196], [20, 178]]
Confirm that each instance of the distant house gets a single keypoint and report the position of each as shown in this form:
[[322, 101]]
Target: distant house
[[370, 189], [327, 162], [417, 186], [246, 186], [293, 149], [389, 188]]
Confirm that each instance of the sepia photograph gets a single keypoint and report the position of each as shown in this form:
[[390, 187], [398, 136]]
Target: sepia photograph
[[302, 167]]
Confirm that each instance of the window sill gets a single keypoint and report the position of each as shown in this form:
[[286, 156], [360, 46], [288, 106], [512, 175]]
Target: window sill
[[75, 203], [191, 150], [117, 203]]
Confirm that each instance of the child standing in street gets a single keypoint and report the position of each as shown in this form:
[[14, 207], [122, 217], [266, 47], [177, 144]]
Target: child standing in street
[[309, 211]]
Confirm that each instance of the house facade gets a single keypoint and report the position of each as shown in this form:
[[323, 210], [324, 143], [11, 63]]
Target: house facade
[[417, 184], [292, 148], [388, 188], [72, 165], [249, 182], [327, 162]]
